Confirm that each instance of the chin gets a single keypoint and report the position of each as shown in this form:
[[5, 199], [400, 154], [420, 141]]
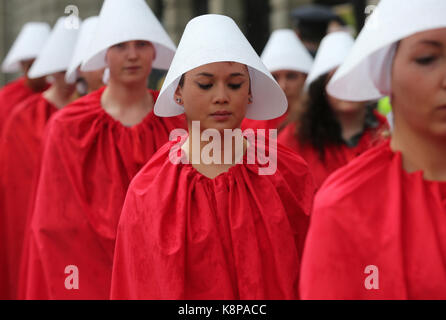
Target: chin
[[130, 80], [439, 130]]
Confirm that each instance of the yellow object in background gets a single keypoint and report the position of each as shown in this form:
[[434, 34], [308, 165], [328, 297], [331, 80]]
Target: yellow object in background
[[384, 106]]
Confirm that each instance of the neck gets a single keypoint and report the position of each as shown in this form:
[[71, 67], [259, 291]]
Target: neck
[[351, 123], [126, 95], [420, 152], [58, 96], [294, 106], [36, 85], [127, 104]]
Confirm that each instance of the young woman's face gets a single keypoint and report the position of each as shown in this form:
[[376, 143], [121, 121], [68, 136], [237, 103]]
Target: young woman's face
[[291, 83], [131, 61], [63, 87], [216, 94], [419, 83]]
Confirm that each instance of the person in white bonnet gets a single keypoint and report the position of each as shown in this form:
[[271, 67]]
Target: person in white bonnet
[[210, 233], [20, 58], [289, 62], [330, 132], [86, 81], [93, 149], [21, 146], [378, 224]]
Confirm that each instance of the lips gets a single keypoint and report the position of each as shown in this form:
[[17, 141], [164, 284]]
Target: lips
[[221, 113], [133, 68]]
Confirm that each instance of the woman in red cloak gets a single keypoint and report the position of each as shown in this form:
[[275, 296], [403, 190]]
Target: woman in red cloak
[[21, 56], [378, 229], [330, 132], [20, 149], [198, 229], [289, 62], [93, 149]]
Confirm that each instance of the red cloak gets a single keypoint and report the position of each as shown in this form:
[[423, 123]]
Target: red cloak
[[20, 150], [336, 156], [264, 124], [373, 213], [238, 236], [11, 95], [88, 161]]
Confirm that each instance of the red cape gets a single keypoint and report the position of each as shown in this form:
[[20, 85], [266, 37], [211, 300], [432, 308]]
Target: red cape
[[335, 156], [238, 236], [10, 96], [372, 212], [88, 161], [20, 150], [264, 124]]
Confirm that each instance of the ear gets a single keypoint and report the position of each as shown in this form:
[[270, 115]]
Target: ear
[[250, 98], [178, 96]]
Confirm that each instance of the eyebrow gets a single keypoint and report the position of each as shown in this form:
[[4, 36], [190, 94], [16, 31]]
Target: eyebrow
[[431, 43], [209, 75]]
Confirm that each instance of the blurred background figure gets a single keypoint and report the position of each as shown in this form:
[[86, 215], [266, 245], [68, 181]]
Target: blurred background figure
[[21, 146], [289, 62], [86, 81], [312, 23], [330, 132], [20, 58]]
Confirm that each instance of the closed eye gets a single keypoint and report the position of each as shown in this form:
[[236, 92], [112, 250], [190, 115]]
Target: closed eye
[[235, 86], [426, 60], [205, 86]]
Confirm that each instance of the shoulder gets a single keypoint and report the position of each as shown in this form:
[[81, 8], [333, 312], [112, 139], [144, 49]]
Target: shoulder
[[158, 166], [83, 110], [13, 85], [358, 179]]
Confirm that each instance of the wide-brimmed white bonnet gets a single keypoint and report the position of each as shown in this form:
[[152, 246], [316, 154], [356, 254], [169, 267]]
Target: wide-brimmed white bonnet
[[333, 50], [129, 20], [284, 51], [58, 50], [366, 72], [83, 42], [216, 38], [28, 45]]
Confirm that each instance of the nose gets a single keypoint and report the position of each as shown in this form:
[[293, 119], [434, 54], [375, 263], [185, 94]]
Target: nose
[[282, 83], [220, 94], [132, 52]]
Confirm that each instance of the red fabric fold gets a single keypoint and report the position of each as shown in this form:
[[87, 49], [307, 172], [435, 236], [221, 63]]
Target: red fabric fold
[[10, 96], [373, 213], [88, 161], [264, 124], [336, 156], [20, 150], [238, 236]]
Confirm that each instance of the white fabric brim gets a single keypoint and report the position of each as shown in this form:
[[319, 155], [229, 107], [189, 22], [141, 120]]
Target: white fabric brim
[[84, 40], [58, 51], [27, 46], [366, 73], [215, 38]]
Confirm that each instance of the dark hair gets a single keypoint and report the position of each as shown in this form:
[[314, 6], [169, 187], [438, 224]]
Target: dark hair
[[318, 125], [183, 77], [181, 83]]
